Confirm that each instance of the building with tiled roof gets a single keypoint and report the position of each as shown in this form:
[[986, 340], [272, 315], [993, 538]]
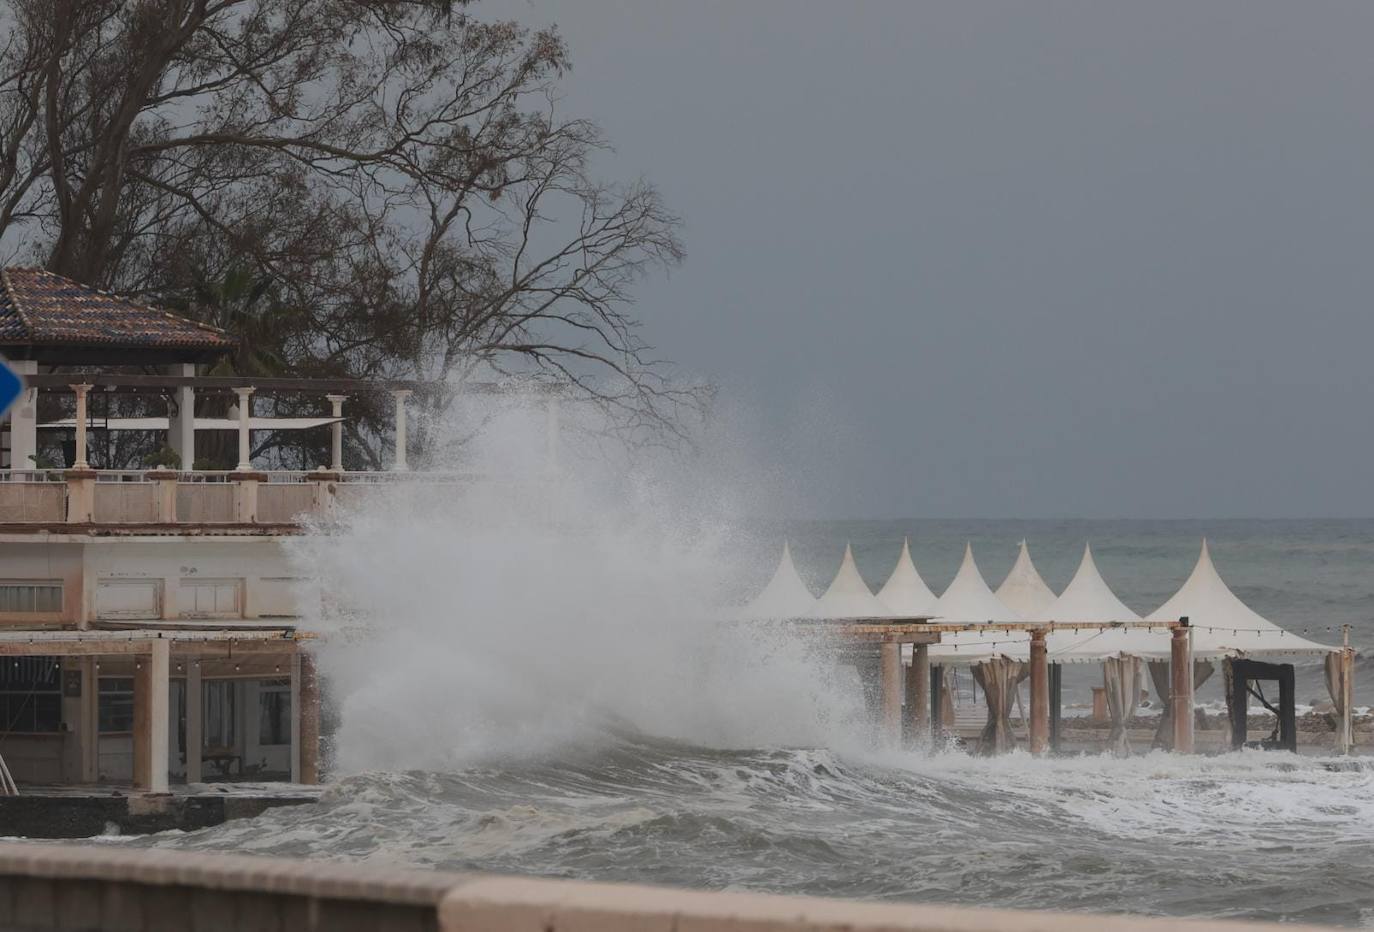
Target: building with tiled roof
[[51, 319]]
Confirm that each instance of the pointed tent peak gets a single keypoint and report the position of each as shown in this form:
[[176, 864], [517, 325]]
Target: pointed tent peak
[[848, 596], [1088, 598], [1024, 590], [969, 598], [785, 596], [905, 593]]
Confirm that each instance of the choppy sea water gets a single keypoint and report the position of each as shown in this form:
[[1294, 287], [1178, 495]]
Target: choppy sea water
[[1256, 835]]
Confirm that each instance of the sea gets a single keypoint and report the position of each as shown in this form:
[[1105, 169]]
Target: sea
[[1252, 834]]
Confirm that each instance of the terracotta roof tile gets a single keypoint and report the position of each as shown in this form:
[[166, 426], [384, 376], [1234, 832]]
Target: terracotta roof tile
[[40, 308]]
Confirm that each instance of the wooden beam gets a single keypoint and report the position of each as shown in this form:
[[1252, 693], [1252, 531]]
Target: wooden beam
[[918, 693]]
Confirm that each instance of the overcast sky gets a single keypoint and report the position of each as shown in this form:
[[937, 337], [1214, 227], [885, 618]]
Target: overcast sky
[[1012, 259]]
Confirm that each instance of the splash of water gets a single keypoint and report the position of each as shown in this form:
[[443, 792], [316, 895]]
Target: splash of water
[[476, 620]]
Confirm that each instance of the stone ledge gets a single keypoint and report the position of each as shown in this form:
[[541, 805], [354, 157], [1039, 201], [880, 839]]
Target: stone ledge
[[515, 904], [160, 885]]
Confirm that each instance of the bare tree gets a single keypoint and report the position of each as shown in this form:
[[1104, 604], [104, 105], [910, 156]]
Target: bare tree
[[399, 172]]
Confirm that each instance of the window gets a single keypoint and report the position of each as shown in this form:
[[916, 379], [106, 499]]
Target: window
[[31, 597], [30, 694], [211, 598], [274, 712], [220, 730], [128, 598], [116, 705]]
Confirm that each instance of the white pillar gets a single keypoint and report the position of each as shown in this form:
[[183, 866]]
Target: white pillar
[[401, 394], [245, 412], [336, 438], [181, 435], [24, 420], [81, 418], [152, 682]]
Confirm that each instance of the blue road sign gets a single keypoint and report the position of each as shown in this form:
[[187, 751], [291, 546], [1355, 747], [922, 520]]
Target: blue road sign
[[11, 387]]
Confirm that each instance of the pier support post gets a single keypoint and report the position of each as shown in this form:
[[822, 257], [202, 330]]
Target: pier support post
[[890, 664], [151, 686], [308, 719], [1181, 686], [1039, 693], [917, 689], [195, 720]]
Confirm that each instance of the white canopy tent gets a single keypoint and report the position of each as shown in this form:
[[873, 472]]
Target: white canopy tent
[[848, 596], [1024, 591], [1089, 600], [1224, 626], [905, 593], [969, 600], [785, 596]]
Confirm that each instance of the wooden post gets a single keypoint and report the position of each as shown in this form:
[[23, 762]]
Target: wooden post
[[1181, 686], [151, 686], [1099, 705], [1039, 693], [308, 713], [890, 665], [195, 720]]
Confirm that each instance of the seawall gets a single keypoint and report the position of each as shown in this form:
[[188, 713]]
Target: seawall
[[70, 888]]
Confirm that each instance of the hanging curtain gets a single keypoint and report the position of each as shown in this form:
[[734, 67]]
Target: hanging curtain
[[998, 678], [1161, 674], [1336, 672], [1119, 676]]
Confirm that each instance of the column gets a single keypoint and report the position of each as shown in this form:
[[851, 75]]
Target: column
[[24, 420], [195, 720], [400, 394], [336, 437], [81, 418], [1181, 687], [1039, 693], [88, 722], [181, 434], [245, 443], [308, 718], [890, 667], [918, 693], [151, 686]]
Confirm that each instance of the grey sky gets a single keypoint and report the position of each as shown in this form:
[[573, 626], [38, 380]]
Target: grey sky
[[1013, 259]]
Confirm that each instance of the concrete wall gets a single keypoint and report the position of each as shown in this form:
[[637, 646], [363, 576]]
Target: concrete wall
[[37, 560], [69, 888], [248, 577]]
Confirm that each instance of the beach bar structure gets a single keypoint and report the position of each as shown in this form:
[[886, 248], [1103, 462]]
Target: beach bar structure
[[151, 623], [1002, 644]]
